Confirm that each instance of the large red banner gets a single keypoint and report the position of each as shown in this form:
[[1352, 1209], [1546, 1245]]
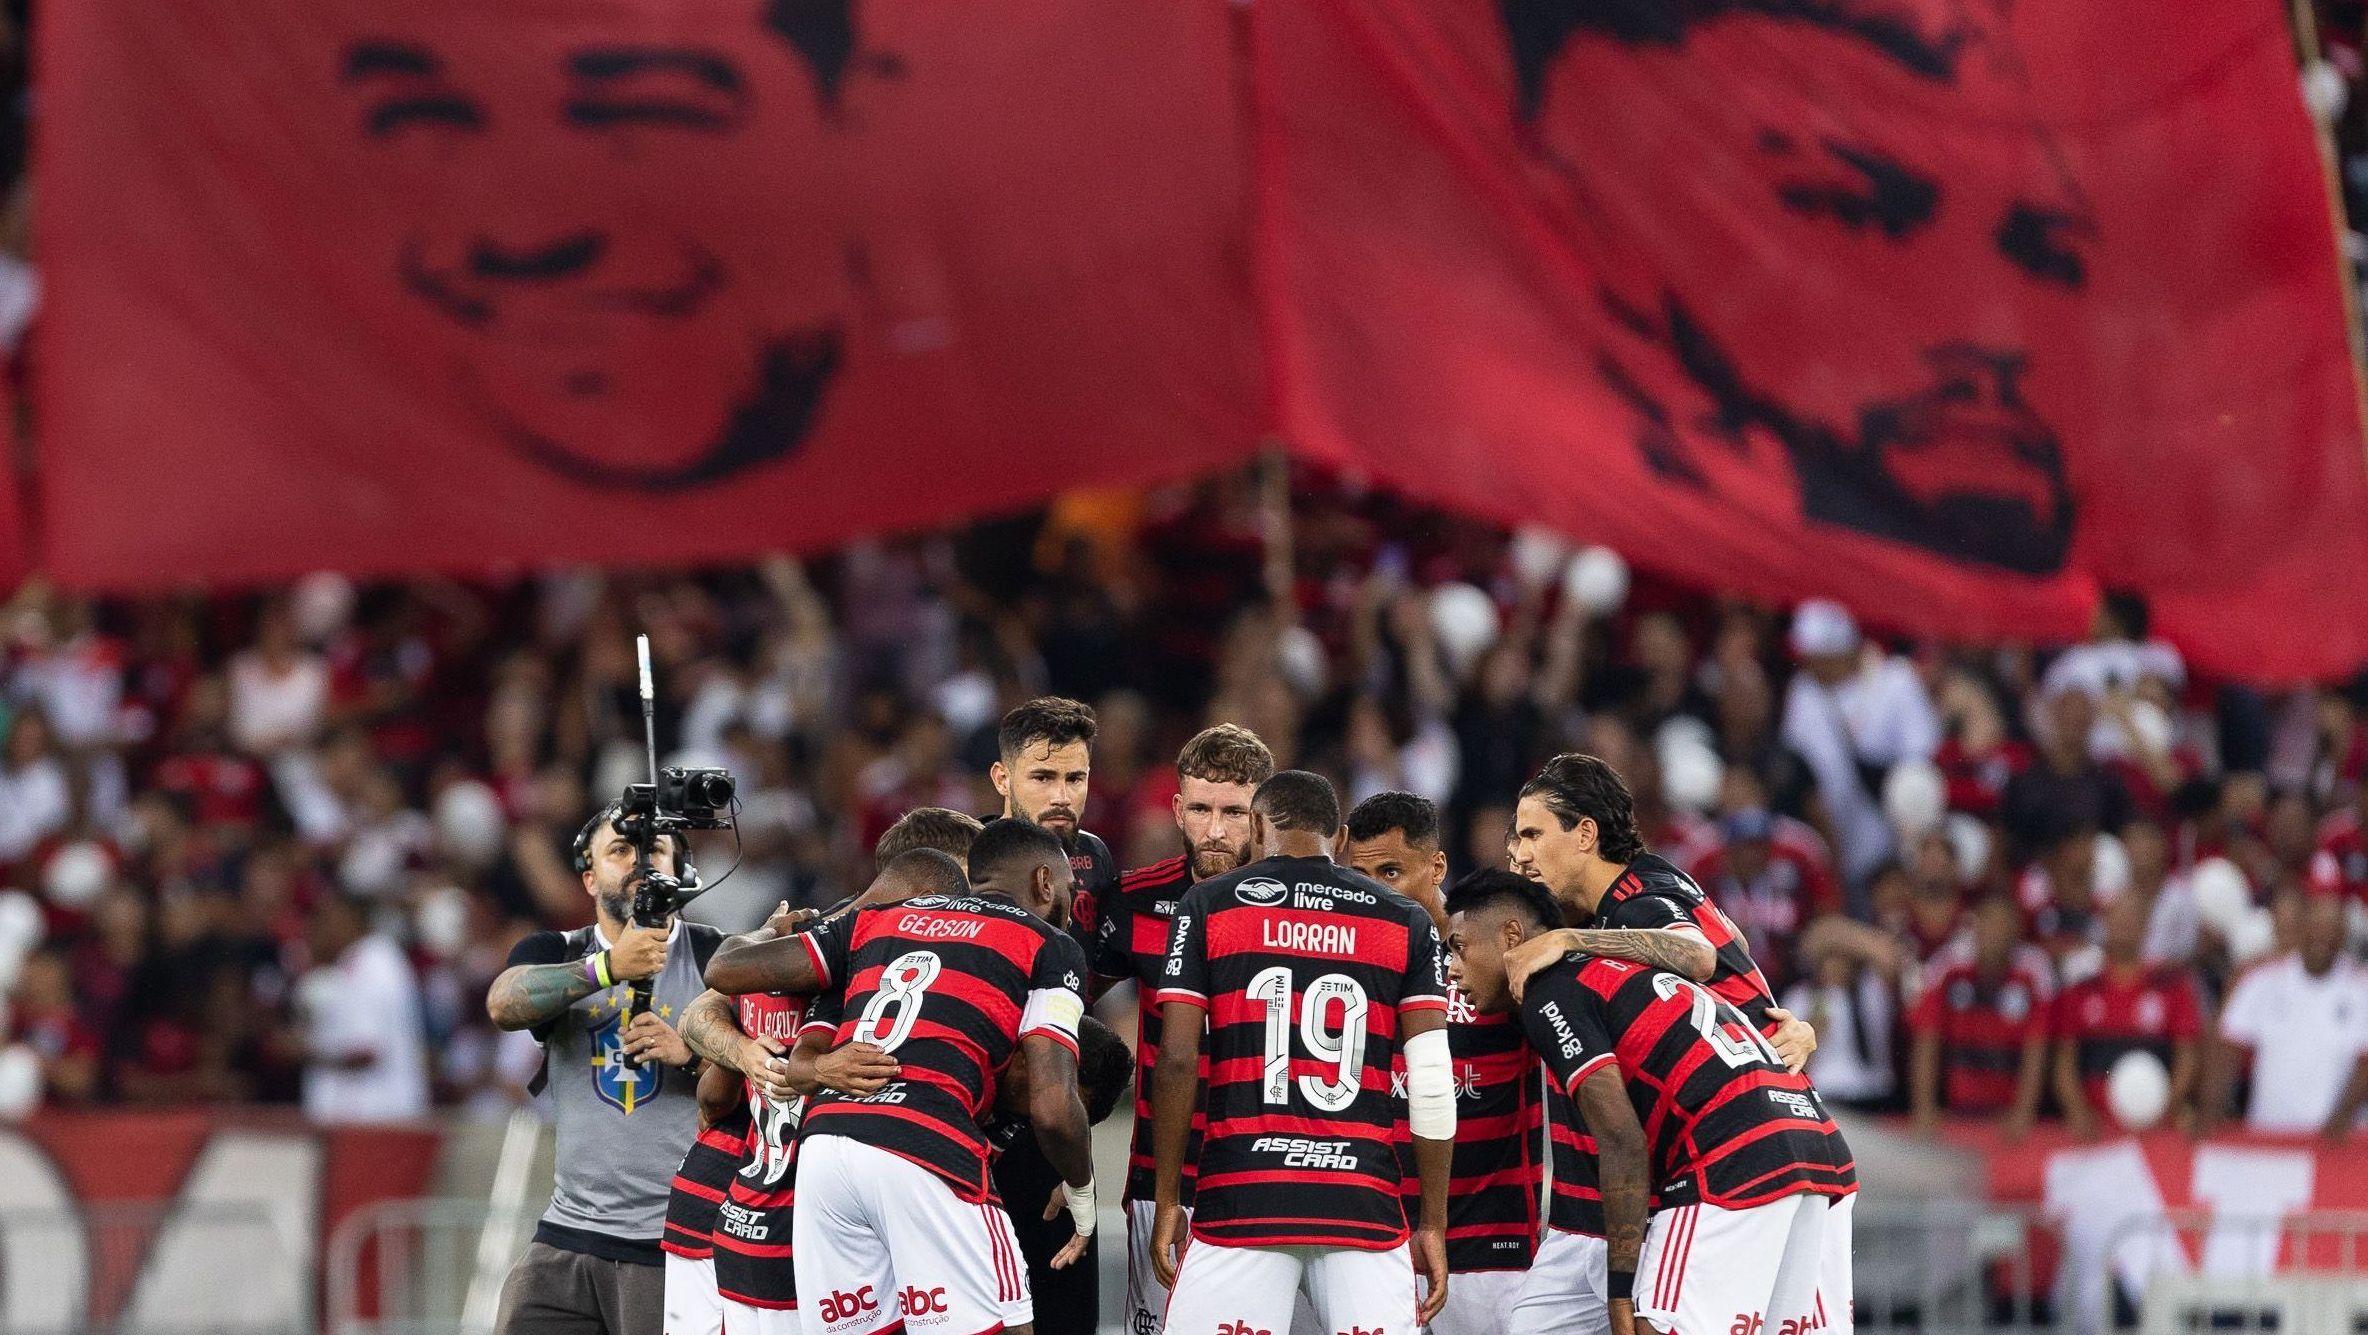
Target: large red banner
[[1964, 311], [452, 284], [1960, 312]]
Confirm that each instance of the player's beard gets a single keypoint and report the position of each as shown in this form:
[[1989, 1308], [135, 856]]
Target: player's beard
[[1066, 832], [1217, 859]]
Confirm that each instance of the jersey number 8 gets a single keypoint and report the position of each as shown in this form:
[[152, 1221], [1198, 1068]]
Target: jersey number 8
[[901, 985], [1344, 1048]]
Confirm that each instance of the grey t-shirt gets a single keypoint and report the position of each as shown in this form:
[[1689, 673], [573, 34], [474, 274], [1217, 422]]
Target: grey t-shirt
[[622, 1131]]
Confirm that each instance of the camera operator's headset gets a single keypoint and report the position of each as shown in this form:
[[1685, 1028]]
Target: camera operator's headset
[[683, 870], [581, 939]]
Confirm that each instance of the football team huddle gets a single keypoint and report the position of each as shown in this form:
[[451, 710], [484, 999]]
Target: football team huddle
[[1554, 1099]]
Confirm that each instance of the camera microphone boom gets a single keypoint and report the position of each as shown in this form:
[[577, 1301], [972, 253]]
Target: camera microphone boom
[[673, 803]]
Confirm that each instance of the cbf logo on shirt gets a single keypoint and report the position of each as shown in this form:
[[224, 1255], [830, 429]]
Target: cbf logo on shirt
[[621, 1087]]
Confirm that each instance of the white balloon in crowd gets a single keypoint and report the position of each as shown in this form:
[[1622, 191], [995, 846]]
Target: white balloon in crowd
[[77, 874], [1598, 580], [1464, 620], [1690, 775], [320, 604], [1915, 799], [2252, 936], [2138, 1090], [20, 1081], [441, 918], [2109, 868], [2222, 898], [1538, 555], [470, 826], [1301, 656], [1969, 843], [22, 926]]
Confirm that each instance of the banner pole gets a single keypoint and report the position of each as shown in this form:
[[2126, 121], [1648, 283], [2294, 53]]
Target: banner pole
[[2307, 53], [1274, 507]]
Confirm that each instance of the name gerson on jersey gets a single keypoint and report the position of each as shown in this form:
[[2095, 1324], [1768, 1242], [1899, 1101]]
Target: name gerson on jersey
[[949, 985], [752, 1253], [1130, 940], [1303, 968], [1652, 892], [1492, 1201], [1726, 1124]]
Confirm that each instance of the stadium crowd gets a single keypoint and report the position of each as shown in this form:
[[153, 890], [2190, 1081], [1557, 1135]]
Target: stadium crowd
[[273, 847]]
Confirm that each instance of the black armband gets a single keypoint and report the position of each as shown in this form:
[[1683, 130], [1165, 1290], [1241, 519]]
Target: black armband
[[1620, 1286]]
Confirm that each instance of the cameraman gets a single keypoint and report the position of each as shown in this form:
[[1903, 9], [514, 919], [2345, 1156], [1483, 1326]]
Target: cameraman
[[594, 1264]]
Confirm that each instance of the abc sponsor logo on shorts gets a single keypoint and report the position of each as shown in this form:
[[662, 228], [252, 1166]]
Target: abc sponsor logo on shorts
[[839, 1305], [1241, 1328], [1262, 892], [1360, 1330], [917, 1301], [1300, 1153], [1752, 1323]]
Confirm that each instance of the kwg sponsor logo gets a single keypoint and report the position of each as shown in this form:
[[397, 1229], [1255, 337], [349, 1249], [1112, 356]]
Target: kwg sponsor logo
[[839, 1305], [1261, 892]]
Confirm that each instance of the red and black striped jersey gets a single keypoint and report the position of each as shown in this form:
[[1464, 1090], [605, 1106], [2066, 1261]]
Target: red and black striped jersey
[[950, 985], [1574, 1200], [1302, 967], [1724, 1122], [752, 1255], [699, 1184], [1492, 1194], [1652, 892], [1131, 941]]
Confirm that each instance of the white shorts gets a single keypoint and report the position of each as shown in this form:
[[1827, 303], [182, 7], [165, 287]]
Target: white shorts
[[742, 1319], [1252, 1290], [1837, 1292], [1562, 1292], [1704, 1268], [1479, 1302], [1146, 1297], [880, 1240], [693, 1307]]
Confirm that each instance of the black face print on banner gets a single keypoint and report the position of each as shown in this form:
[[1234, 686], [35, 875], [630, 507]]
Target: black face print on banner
[[553, 317], [1961, 464]]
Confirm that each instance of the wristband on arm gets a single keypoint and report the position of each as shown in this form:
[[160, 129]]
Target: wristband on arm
[[1620, 1286], [596, 970]]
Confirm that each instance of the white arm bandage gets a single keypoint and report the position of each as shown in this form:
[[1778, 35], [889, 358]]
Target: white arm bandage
[[1430, 1086], [1082, 1210]]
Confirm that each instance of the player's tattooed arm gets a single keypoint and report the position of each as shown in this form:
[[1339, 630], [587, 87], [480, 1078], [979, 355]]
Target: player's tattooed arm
[[783, 964], [1680, 950], [708, 1029], [1624, 1170], [526, 995]]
